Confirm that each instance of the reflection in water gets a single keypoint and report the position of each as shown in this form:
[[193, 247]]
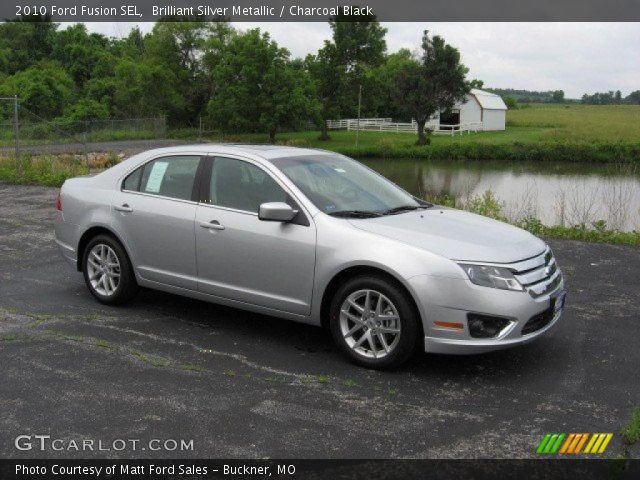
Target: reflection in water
[[556, 193]]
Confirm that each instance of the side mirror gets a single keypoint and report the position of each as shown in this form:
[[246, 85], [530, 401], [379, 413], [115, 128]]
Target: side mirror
[[276, 212]]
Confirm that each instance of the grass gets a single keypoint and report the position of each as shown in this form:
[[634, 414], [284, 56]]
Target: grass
[[580, 123], [583, 133], [48, 170], [103, 344], [631, 432], [192, 367], [514, 144]]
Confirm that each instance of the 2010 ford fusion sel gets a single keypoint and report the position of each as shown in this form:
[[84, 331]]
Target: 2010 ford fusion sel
[[310, 236]]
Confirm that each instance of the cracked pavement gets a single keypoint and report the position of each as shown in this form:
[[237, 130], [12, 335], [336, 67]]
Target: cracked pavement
[[246, 385]]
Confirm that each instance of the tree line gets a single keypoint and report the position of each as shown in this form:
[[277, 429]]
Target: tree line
[[237, 81], [611, 98], [513, 96]]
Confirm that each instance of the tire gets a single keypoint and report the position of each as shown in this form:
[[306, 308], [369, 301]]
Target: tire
[[107, 271], [389, 348]]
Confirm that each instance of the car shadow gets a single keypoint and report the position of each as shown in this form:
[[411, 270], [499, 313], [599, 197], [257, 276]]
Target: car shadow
[[280, 343]]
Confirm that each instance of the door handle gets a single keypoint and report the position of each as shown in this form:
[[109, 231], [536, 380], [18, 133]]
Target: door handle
[[123, 208], [213, 225]]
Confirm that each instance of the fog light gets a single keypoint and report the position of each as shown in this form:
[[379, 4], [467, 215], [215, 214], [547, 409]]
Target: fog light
[[485, 326]]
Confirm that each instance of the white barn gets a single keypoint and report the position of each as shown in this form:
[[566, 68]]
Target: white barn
[[479, 108]]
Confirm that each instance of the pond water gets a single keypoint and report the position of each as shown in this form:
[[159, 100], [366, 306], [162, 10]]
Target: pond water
[[556, 193]]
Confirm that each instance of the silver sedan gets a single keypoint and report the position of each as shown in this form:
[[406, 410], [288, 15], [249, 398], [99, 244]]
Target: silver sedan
[[314, 237]]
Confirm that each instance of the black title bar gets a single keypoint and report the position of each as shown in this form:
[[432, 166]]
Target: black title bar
[[322, 10], [289, 469]]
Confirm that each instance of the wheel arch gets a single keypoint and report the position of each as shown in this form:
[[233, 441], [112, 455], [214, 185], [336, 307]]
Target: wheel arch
[[86, 238], [356, 270]]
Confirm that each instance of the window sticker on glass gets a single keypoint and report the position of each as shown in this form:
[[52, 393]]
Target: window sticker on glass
[[155, 177]]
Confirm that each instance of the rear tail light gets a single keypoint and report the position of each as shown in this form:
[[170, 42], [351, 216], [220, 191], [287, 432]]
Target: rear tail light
[[59, 202]]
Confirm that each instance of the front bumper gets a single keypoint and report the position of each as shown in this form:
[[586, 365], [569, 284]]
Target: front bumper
[[451, 300], [476, 345]]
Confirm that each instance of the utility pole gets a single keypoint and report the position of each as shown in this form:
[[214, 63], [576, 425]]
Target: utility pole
[[16, 132], [359, 106]]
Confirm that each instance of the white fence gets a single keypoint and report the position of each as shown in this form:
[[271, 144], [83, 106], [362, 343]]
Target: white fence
[[387, 125]]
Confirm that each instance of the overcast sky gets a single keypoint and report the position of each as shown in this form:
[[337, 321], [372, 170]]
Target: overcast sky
[[575, 57]]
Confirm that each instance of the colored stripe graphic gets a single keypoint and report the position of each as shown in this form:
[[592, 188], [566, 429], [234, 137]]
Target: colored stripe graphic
[[605, 442], [543, 443], [582, 442], [572, 443], [550, 443], [568, 442]]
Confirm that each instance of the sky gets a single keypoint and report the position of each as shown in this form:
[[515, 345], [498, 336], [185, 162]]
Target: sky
[[575, 57]]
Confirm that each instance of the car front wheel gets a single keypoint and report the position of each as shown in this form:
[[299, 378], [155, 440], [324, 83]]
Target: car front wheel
[[374, 322], [107, 271]]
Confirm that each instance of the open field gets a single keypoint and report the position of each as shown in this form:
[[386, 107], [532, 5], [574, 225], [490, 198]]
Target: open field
[[579, 123], [246, 385], [539, 123], [542, 132]]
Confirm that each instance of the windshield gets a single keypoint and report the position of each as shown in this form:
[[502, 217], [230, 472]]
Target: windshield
[[338, 185]]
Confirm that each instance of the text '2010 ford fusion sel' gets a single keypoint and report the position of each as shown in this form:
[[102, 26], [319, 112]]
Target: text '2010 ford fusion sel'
[[311, 236]]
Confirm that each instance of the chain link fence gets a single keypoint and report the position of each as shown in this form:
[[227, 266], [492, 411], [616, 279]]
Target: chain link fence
[[46, 151]]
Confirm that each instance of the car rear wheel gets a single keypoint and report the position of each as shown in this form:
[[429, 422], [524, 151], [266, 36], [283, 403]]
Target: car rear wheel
[[107, 271], [374, 322]]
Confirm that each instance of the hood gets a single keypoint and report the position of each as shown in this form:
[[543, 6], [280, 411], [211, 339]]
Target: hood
[[456, 234]]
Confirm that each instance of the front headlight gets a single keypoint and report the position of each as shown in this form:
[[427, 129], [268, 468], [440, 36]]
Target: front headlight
[[488, 276]]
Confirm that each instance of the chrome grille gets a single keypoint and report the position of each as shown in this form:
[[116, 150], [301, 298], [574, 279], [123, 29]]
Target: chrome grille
[[538, 275]]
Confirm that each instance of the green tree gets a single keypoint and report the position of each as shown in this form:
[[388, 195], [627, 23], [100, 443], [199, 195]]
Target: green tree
[[25, 41], [329, 78], [633, 98], [86, 109], [45, 88], [358, 46], [617, 99], [510, 102], [177, 46], [382, 83], [78, 51], [143, 88], [257, 88], [557, 96], [432, 83]]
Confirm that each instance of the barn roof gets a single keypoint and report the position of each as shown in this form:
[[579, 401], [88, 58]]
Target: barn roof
[[488, 100]]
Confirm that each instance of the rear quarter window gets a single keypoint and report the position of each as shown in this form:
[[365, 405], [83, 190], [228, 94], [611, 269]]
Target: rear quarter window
[[132, 182]]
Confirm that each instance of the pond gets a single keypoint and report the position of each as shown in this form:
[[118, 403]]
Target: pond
[[556, 193]]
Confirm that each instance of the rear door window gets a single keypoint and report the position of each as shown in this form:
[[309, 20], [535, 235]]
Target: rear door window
[[172, 176]]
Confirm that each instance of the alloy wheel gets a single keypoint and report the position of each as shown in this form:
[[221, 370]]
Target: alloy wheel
[[370, 324], [103, 269]]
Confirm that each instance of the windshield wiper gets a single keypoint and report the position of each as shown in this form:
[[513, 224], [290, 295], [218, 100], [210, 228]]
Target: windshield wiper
[[404, 208], [356, 213]]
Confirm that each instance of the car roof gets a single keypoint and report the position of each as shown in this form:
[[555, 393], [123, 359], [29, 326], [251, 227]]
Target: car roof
[[267, 152]]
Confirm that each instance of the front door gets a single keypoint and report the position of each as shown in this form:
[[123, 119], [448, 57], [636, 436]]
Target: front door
[[264, 263]]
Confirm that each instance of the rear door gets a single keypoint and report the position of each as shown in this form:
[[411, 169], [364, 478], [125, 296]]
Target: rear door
[[154, 212], [264, 263]]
